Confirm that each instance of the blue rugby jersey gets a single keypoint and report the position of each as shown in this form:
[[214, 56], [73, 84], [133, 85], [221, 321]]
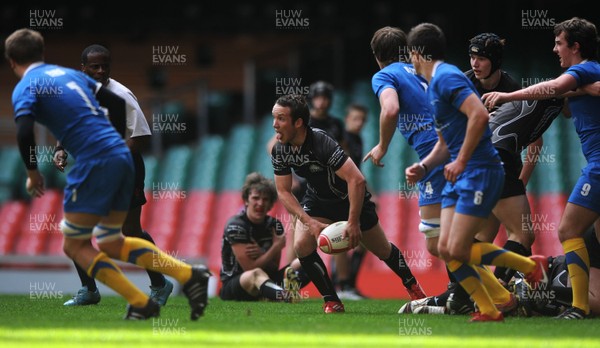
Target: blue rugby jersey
[[63, 100]]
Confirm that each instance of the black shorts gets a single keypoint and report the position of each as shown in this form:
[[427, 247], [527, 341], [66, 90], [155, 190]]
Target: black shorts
[[337, 210], [231, 289], [513, 186], [593, 247], [138, 198]]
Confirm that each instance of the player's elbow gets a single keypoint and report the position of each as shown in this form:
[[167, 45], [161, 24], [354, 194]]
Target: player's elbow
[[390, 112], [359, 182]]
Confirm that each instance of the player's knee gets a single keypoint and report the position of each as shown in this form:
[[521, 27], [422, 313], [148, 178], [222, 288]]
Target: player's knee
[[304, 245], [432, 248], [75, 236], [455, 252]]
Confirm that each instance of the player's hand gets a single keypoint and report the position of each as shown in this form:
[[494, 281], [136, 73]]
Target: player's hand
[[60, 159], [352, 233], [493, 99], [453, 169], [253, 251], [592, 89], [414, 173], [315, 227], [35, 183], [376, 155], [278, 239]]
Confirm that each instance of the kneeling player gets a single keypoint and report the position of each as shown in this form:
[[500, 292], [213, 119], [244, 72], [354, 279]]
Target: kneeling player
[[251, 250], [554, 297]]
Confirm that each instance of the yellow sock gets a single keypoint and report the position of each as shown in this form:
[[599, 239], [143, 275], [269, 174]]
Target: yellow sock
[[491, 254], [145, 254], [578, 263], [468, 278], [106, 271], [497, 292]]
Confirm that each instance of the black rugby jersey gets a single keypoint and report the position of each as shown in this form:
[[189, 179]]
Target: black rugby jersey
[[516, 124], [239, 229], [316, 160]]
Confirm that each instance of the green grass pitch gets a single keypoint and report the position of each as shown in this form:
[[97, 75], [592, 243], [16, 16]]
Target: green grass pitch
[[29, 322]]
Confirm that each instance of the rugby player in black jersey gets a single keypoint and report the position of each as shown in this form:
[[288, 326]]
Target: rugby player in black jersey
[[251, 250], [336, 191]]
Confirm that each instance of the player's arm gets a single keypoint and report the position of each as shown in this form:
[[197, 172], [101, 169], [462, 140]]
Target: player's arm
[[438, 156], [477, 123], [26, 143], [137, 144], [543, 90], [531, 158], [388, 118], [117, 108], [356, 195], [267, 261]]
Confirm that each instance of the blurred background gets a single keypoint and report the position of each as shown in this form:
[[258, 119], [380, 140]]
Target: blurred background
[[207, 74]]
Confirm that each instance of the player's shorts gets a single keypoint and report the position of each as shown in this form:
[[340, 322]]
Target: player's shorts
[[593, 247], [138, 198], [513, 186], [98, 186], [231, 290], [337, 210], [587, 189], [431, 187], [476, 191]]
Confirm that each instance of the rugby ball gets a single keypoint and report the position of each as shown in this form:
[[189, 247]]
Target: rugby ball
[[330, 239]]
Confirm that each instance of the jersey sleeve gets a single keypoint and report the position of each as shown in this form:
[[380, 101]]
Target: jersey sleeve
[[582, 74], [23, 101], [276, 224], [280, 167], [236, 233], [331, 153], [381, 81], [455, 89], [137, 125]]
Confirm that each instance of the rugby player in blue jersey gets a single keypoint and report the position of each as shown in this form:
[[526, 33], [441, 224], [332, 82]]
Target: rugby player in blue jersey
[[100, 183], [576, 44], [474, 174]]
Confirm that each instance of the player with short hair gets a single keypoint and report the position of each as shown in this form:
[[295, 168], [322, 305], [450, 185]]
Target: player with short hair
[[336, 192], [96, 63], [404, 106], [474, 175], [576, 44], [100, 183], [251, 250]]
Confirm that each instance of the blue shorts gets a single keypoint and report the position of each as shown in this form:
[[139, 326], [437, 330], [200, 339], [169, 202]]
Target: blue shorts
[[476, 191], [587, 189], [431, 187], [98, 186]]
